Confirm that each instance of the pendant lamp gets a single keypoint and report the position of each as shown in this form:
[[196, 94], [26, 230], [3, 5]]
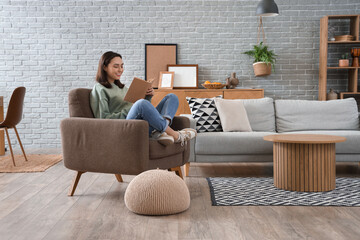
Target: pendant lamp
[[267, 8]]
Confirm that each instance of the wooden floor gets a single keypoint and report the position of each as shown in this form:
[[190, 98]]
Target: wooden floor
[[36, 206]]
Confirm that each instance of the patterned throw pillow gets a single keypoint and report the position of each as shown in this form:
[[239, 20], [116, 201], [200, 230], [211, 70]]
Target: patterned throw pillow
[[204, 111]]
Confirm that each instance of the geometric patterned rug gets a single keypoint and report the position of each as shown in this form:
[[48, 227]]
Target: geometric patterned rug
[[262, 192]]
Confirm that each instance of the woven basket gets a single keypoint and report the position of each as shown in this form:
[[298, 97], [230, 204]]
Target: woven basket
[[262, 69], [213, 85]]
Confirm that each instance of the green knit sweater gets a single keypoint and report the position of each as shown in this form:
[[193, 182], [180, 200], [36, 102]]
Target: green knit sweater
[[109, 102]]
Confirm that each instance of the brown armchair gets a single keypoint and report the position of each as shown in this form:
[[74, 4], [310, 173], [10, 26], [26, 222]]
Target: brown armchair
[[113, 145]]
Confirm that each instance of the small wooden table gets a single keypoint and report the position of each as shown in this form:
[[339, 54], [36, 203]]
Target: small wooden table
[[304, 162]]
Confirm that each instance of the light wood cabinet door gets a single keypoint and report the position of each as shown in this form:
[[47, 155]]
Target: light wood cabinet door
[[160, 94], [244, 94]]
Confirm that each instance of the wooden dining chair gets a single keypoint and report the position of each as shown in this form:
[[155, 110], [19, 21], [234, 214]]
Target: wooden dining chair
[[14, 116]]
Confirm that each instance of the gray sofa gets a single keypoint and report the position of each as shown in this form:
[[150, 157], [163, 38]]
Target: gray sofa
[[266, 117]]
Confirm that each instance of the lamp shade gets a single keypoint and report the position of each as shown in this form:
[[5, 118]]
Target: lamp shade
[[267, 8]]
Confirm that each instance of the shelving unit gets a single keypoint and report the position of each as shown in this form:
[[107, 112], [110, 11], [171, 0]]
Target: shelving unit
[[353, 72]]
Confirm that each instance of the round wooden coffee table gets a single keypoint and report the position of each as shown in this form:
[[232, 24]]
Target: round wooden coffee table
[[304, 162]]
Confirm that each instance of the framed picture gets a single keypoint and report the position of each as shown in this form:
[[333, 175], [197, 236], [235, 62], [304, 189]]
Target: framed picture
[[186, 76], [157, 57], [166, 80], [355, 95]]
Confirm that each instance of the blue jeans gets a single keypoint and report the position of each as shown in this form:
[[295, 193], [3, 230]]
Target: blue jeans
[[156, 117]]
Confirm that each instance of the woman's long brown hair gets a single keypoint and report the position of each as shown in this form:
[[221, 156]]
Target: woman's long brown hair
[[101, 75]]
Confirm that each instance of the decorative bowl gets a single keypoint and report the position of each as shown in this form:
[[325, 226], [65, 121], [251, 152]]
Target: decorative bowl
[[213, 85]]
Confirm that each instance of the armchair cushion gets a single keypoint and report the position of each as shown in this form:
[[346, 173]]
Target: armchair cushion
[[158, 150]]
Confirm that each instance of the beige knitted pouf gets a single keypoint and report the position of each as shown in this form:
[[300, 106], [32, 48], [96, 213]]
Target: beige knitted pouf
[[157, 192]]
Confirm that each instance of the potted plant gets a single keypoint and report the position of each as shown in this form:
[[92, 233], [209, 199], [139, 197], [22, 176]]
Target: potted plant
[[344, 61], [264, 59]]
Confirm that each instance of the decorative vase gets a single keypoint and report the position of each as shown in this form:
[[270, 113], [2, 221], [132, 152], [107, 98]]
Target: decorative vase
[[343, 62], [232, 81], [355, 53], [331, 95], [262, 69]]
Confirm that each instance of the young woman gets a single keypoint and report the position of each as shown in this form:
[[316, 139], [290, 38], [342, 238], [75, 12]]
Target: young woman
[[107, 101]]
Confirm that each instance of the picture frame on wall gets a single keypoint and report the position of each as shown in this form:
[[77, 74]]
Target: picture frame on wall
[[186, 75], [157, 57], [166, 80]]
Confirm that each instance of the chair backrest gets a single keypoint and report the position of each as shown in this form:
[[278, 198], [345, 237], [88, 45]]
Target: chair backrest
[[15, 108], [79, 103]]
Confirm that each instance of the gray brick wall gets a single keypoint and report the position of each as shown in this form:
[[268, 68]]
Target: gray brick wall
[[53, 46]]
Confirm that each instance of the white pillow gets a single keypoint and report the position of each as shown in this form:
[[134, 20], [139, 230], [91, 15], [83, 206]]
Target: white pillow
[[233, 115]]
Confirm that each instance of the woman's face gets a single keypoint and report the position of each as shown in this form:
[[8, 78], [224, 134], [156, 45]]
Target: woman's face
[[114, 69]]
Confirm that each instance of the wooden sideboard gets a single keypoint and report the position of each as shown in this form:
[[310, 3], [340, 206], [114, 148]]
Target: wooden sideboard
[[2, 137], [204, 93]]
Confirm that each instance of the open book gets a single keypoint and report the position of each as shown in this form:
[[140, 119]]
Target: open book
[[137, 90]]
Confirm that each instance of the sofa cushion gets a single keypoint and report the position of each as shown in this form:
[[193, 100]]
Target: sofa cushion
[[233, 115], [350, 146], [232, 143], [261, 114], [302, 115], [204, 111]]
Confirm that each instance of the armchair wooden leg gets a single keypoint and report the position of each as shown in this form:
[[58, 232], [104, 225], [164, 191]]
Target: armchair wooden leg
[[22, 149], [177, 170], [118, 177], [186, 169], [75, 183], [11, 151]]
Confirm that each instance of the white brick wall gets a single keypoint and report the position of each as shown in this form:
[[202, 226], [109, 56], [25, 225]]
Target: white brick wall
[[52, 46]]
